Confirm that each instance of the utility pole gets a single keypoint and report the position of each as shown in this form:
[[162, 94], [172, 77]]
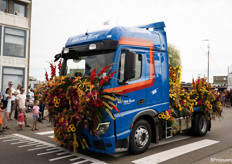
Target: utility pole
[[208, 60]]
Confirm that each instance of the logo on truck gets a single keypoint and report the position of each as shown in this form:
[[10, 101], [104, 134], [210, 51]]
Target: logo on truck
[[90, 36]]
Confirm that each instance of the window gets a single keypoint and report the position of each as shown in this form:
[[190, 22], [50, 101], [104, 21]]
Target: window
[[0, 38], [85, 64], [14, 42], [3, 5], [138, 68], [218, 78], [20, 9], [16, 75]]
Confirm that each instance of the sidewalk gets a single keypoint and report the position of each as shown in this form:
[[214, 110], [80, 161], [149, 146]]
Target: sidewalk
[[12, 124]]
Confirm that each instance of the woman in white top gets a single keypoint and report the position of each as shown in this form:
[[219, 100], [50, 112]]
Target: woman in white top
[[7, 97]]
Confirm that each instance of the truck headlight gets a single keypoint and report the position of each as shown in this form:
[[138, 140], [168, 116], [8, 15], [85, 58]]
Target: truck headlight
[[103, 127], [66, 50]]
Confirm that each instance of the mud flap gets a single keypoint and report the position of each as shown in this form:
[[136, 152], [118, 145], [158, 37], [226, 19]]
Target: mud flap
[[209, 125], [156, 130]]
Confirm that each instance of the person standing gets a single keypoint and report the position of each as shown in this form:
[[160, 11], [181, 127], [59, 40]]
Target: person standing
[[7, 105], [223, 98], [1, 110], [228, 98], [16, 109], [41, 109], [22, 103], [36, 112], [14, 94], [20, 119]]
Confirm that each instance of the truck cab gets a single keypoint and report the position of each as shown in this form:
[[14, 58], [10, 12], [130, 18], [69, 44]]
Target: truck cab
[[139, 57]]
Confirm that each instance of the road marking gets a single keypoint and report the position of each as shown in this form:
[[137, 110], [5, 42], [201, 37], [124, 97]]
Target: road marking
[[161, 142], [52, 149], [34, 140], [42, 147], [51, 136], [62, 153], [11, 140], [74, 159], [83, 161], [175, 152], [45, 133], [21, 141], [6, 137], [54, 159], [55, 151], [28, 145], [48, 148]]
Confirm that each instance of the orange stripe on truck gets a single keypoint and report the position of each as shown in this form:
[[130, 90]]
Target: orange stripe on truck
[[140, 85]]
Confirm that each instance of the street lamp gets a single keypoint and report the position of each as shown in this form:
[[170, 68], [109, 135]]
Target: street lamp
[[207, 40]]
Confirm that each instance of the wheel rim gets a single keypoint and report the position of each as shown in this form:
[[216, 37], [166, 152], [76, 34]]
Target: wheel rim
[[141, 136], [203, 124]]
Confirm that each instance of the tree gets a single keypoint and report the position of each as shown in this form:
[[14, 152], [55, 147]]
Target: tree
[[174, 56]]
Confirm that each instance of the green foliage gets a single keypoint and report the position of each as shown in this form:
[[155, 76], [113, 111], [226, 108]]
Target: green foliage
[[174, 56]]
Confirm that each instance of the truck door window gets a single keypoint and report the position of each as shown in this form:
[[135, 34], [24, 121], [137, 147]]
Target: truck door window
[[138, 68]]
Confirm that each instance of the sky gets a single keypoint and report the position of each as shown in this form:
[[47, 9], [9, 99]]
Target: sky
[[188, 23]]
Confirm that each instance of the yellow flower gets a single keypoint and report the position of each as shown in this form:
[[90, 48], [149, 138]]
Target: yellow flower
[[211, 106]]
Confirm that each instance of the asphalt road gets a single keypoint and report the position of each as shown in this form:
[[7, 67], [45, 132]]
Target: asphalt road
[[37, 147]]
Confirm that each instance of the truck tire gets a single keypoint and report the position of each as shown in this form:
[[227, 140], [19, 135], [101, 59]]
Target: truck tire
[[200, 125], [140, 137]]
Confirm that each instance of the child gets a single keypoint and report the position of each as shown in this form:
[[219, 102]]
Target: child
[[36, 112], [20, 119], [1, 110]]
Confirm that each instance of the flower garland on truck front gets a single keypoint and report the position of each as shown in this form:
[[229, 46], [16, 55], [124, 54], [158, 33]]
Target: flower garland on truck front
[[74, 103]]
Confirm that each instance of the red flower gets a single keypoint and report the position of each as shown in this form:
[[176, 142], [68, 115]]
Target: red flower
[[112, 74], [53, 70], [193, 81], [92, 76], [60, 65], [46, 76], [101, 82]]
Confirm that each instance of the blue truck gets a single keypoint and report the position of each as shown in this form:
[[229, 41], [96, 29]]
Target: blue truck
[[140, 59]]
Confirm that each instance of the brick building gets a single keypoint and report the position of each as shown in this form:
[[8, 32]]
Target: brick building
[[220, 80]]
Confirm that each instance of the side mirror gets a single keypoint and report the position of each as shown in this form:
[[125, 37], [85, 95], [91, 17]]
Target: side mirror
[[129, 70]]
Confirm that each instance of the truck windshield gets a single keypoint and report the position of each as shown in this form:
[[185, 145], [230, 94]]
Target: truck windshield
[[84, 65]]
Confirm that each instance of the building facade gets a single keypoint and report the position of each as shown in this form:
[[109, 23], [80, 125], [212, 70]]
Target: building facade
[[15, 33], [220, 80]]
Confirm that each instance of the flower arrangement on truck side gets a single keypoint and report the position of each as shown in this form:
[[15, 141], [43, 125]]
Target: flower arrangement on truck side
[[182, 102]]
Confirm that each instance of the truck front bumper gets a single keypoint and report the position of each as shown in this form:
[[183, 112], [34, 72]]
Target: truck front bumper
[[102, 145]]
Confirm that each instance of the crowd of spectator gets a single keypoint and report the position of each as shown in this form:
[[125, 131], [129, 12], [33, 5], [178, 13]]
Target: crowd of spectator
[[14, 105]]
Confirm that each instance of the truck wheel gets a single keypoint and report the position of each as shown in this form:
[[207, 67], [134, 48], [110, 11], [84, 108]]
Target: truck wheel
[[140, 137], [200, 125]]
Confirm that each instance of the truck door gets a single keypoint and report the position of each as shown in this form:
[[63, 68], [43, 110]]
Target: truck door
[[154, 92], [133, 87]]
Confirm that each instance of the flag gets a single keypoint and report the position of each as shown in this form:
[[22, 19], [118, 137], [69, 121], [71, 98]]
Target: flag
[[106, 23]]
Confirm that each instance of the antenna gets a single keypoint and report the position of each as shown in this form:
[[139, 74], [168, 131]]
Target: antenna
[[87, 32]]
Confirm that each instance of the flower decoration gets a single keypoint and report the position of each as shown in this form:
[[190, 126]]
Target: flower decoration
[[76, 103], [183, 102]]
